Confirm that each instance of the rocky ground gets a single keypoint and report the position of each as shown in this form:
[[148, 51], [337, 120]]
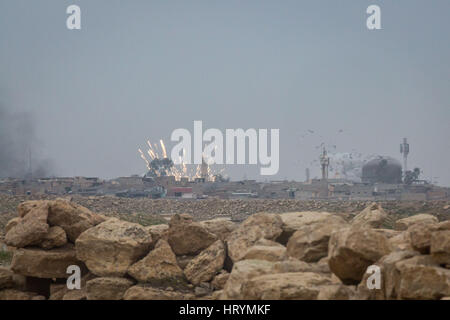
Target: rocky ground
[[148, 211], [291, 255]]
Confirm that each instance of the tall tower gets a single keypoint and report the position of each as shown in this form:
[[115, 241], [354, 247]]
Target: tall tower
[[307, 174], [324, 162], [404, 149]]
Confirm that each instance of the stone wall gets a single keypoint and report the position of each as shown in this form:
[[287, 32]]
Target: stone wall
[[295, 255]]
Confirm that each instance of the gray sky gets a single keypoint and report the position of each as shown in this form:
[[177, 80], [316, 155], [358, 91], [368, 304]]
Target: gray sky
[[140, 69]]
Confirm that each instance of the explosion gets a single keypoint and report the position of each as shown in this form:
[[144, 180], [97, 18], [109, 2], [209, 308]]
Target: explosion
[[159, 164]]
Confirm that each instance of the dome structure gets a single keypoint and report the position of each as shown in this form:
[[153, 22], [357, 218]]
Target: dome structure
[[382, 170]]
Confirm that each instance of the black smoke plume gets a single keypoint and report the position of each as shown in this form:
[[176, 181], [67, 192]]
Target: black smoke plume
[[19, 146]]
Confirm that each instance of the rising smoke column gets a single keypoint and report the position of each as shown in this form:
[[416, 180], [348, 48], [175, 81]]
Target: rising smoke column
[[19, 145]]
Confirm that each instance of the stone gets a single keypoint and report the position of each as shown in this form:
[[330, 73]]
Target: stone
[[159, 266], [108, 288], [12, 223], [420, 279], [388, 233], [207, 264], [336, 292], [221, 227], [73, 218], [48, 264], [256, 227], [59, 291], [216, 295], [401, 242], [159, 231], [201, 291], [293, 221], [310, 242], [390, 274], [6, 278], [284, 286], [75, 295], [111, 247], [31, 228], [13, 294], [269, 253], [420, 236], [141, 292], [440, 246], [373, 216], [56, 237], [292, 265], [242, 271], [352, 250], [405, 223], [220, 280], [180, 219], [183, 261], [25, 207], [188, 238]]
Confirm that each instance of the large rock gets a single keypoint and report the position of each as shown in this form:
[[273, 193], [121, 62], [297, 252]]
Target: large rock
[[187, 237], [310, 242], [56, 237], [405, 223], [75, 295], [12, 223], [142, 292], [256, 227], [269, 250], [159, 231], [160, 265], [293, 221], [207, 264], [31, 228], [373, 216], [6, 278], [13, 294], [107, 288], [284, 286], [389, 277], [440, 246], [292, 265], [336, 292], [25, 207], [420, 236], [221, 227], [352, 250], [59, 291], [73, 218], [242, 271], [44, 263], [420, 278], [111, 247], [408, 275], [401, 242]]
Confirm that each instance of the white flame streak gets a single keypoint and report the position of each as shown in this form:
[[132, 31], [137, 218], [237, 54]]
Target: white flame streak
[[182, 170]]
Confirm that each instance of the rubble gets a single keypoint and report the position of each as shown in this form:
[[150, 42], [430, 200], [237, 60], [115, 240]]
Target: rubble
[[292, 255]]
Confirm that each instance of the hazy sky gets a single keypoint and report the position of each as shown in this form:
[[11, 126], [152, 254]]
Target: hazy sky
[[137, 70]]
